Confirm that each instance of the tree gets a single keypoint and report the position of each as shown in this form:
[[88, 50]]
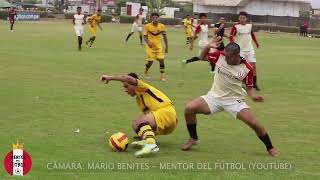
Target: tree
[[158, 5]]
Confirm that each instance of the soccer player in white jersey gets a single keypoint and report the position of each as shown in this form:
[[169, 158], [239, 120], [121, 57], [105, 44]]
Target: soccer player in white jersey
[[137, 26], [227, 94], [195, 22], [78, 22], [242, 34]]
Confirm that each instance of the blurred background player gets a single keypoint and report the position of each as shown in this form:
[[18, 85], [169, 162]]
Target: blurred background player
[[219, 31], [94, 21], [202, 32], [242, 33], [159, 115], [12, 17], [195, 22], [188, 30], [152, 35], [227, 94], [137, 26], [79, 21]]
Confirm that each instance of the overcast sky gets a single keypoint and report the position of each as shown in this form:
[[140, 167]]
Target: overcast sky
[[315, 3]]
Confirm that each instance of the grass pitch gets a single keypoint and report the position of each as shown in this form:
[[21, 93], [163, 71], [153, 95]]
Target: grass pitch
[[49, 89]]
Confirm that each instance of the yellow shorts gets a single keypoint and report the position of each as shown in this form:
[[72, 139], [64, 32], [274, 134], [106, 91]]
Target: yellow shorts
[[93, 31], [189, 34], [153, 54], [166, 119]]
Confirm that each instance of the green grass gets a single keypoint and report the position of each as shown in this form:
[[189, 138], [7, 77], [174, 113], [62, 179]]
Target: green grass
[[49, 89]]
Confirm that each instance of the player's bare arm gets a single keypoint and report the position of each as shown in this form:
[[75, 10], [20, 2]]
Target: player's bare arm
[[214, 43], [253, 96], [123, 78], [255, 40], [147, 41], [164, 34]]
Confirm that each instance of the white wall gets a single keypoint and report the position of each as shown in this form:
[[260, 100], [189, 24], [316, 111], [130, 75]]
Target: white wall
[[73, 9], [135, 8], [272, 8], [169, 12], [213, 9]]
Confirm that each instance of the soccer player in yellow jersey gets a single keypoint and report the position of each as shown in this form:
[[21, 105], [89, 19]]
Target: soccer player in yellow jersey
[[188, 30], [94, 21], [159, 115], [152, 32]]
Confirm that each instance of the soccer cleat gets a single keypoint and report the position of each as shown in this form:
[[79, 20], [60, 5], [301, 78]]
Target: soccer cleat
[[274, 152], [187, 146], [147, 150], [139, 143]]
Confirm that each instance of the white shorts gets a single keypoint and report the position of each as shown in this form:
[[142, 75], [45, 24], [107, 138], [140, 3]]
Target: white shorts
[[136, 28], [79, 31], [231, 106], [249, 56]]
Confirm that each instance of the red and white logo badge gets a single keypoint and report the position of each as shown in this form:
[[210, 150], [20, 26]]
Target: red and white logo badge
[[18, 162]]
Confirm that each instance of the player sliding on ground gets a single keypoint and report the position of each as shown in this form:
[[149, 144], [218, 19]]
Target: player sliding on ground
[[94, 21], [227, 93], [159, 115], [152, 35]]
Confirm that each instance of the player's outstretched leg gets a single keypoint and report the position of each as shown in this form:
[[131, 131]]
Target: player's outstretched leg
[[145, 126], [246, 116], [11, 26], [129, 35], [197, 106], [148, 65], [193, 59], [162, 66]]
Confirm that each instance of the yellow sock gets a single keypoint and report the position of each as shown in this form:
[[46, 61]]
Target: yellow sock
[[147, 133]]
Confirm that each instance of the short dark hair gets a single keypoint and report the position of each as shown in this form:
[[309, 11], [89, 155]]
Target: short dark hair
[[232, 48], [196, 14], [203, 15], [79, 7], [154, 14], [99, 10], [134, 75], [243, 13]]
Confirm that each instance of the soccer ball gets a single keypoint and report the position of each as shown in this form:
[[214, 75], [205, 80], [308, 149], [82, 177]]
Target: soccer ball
[[118, 141]]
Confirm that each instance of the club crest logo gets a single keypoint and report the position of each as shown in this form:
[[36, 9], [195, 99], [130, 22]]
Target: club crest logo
[[18, 162]]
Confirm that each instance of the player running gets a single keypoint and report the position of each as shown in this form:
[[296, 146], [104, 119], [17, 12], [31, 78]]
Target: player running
[[188, 30], [94, 21], [137, 26], [12, 17], [152, 32], [227, 94], [242, 34], [159, 115], [79, 21]]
